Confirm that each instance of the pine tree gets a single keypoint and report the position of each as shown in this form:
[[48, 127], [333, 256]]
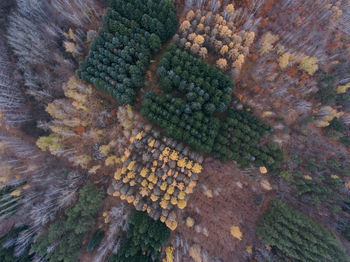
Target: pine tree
[[297, 236]]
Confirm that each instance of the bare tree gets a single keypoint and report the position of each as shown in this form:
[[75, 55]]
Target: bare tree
[[44, 184], [12, 98]]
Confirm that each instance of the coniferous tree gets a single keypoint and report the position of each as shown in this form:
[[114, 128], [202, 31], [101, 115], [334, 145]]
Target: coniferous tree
[[144, 239], [297, 236], [63, 238]]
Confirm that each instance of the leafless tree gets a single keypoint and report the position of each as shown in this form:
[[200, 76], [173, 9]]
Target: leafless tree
[[12, 98]]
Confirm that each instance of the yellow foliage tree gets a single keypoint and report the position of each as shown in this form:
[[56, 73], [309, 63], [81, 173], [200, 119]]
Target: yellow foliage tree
[[56, 112], [181, 195], [174, 155], [166, 196], [144, 183], [185, 26], [309, 64], [268, 39], [166, 151], [112, 160], [224, 50], [144, 172], [191, 37], [203, 53], [82, 160], [199, 40], [224, 31], [283, 60], [230, 8], [236, 232], [200, 28], [197, 168], [154, 198], [263, 170], [182, 162], [163, 186], [189, 164], [249, 249], [173, 201], [343, 89], [104, 150], [164, 203], [195, 49], [139, 135], [190, 15], [221, 63], [144, 191], [189, 222], [170, 190], [131, 165], [131, 174], [70, 48], [71, 35], [118, 174], [52, 143], [169, 254], [94, 169], [172, 225], [195, 253], [181, 204], [151, 143], [239, 62], [16, 193]]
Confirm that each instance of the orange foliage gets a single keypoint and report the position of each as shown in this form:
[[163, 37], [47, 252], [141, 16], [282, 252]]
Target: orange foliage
[[256, 89], [292, 72], [149, 74], [277, 105], [108, 121], [80, 129], [254, 57]]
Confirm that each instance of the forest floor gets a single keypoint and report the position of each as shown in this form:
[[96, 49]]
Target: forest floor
[[225, 196]]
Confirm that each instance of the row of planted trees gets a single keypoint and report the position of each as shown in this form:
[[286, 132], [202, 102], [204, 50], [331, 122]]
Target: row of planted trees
[[196, 91], [297, 236], [239, 137], [204, 87], [197, 96], [133, 31], [143, 241]]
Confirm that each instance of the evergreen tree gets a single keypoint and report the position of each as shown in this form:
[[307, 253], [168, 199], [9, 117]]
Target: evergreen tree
[[144, 239], [70, 230], [297, 236], [8, 244]]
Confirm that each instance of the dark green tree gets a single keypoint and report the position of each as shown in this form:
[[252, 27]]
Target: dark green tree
[[297, 236]]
